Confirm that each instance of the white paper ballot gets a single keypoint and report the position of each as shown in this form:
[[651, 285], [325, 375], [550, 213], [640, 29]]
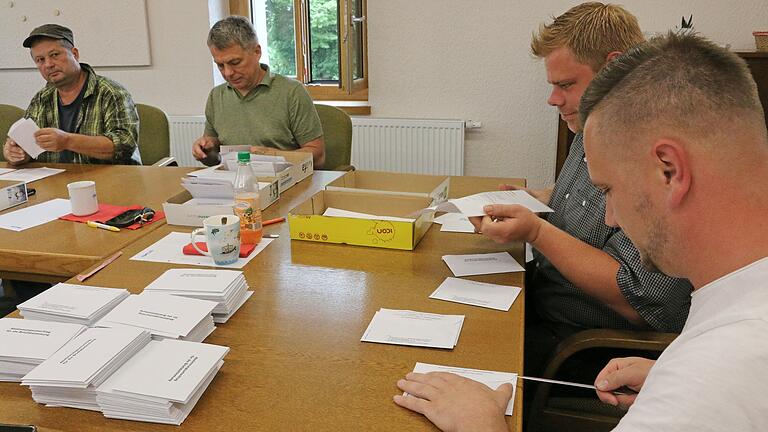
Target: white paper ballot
[[472, 205], [32, 216], [30, 339], [480, 264], [195, 280], [169, 250], [499, 297], [23, 132], [460, 227], [6, 170], [489, 378], [405, 327], [334, 212], [28, 175]]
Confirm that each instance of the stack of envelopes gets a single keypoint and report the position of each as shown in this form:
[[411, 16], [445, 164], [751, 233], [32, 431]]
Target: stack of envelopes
[[226, 287], [164, 316], [162, 383], [24, 344], [69, 303], [70, 376]]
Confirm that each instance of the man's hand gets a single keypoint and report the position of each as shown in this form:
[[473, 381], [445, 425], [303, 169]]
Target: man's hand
[[14, 154], [52, 139], [542, 195], [454, 403], [203, 145], [630, 372], [508, 222]]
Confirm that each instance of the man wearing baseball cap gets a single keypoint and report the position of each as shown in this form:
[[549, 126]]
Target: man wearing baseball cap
[[83, 117]]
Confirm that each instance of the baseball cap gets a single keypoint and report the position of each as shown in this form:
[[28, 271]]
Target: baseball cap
[[53, 31]]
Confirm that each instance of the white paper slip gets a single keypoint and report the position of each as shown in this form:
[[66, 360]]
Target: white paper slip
[[472, 205], [499, 297], [480, 264], [23, 132], [32, 216], [491, 379], [458, 226], [6, 170], [405, 327], [75, 301], [169, 250], [29, 339], [334, 212], [162, 315], [28, 175]]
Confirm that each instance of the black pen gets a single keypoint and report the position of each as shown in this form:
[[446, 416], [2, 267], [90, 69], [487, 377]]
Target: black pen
[[31, 191]]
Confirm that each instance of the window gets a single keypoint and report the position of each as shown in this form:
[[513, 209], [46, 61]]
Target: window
[[321, 43]]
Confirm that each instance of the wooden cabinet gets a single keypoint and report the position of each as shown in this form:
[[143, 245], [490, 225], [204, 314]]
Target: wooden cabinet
[[758, 65]]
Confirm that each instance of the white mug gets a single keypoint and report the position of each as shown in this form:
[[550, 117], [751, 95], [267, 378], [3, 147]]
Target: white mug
[[82, 198], [222, 235]]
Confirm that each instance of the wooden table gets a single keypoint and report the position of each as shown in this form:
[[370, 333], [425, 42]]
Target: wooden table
[[296, 360], [56, 251]]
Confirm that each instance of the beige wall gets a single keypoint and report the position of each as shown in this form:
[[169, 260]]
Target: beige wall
[[428, 59]]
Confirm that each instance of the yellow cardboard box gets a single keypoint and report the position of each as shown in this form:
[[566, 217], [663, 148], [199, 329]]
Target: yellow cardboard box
[[431, 186], [306, 221]]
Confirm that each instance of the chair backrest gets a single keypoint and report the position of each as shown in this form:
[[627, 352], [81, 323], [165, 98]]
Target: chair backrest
[[154, 134], [337, 134], [8, 116]]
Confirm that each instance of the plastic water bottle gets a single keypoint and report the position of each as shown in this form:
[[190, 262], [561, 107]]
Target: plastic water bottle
[[247, 200]]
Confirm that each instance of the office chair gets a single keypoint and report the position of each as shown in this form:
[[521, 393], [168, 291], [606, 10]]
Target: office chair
[[154, 136], [585, 412], [8, 116], [337, 134]]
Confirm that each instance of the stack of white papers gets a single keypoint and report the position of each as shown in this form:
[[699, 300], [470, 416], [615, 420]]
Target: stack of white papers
[[334, 212], [455, 222], [405, 327], [216, 185], [480, 264], [70, 376], [481, 294], [226, 287], [472, 205], [71, 303], [262, 165], [23, 133], [164, 316], [491, 379], [162, 383], [24, 344]]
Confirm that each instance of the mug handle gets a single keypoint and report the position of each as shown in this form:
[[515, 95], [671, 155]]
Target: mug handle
[[195, 233]]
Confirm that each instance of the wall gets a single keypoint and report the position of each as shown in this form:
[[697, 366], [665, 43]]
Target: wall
[[453, 59], [179, 77], [428, 58]]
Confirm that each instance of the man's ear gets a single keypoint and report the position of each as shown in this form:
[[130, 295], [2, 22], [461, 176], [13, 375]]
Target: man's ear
[[673, 167], [612, 55], [75, 53]]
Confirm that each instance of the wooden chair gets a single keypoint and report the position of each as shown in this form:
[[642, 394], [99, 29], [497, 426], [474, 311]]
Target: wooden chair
[[337, 134], [8, 116], [154, 136], [555, 413]]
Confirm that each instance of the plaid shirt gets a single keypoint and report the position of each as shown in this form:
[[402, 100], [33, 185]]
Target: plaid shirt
[[579, 206], [107, 110]]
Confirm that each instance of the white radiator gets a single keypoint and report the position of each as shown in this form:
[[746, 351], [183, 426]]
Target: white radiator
[[184, 131], [419, 146]]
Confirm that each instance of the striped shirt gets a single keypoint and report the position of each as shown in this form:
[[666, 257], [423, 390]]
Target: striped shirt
[[662, 301], [107, 110]]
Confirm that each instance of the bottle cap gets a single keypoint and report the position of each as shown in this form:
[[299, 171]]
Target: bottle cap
[[243, 157]]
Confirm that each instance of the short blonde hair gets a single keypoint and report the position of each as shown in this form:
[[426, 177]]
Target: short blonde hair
[[591, 31]]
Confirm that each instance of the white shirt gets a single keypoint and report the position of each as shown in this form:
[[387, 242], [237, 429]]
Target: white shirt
[[714, 376]]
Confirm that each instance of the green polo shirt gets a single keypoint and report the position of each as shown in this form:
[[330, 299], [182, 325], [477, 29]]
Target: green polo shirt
[[277, 113]]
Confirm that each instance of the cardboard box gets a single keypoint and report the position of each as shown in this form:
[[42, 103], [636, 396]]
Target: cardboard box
[[12, 193], [301, 168], [179, 213], [306, 221], [431, 186]]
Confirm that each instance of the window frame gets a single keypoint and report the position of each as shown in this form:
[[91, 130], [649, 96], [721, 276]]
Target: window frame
[[357, 89]]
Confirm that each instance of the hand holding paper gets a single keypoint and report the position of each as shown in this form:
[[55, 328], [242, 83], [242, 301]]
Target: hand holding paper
[[508, 223]]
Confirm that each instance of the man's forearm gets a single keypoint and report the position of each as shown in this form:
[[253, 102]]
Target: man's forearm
[[588, 268], [317, 148], [99, 147]]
